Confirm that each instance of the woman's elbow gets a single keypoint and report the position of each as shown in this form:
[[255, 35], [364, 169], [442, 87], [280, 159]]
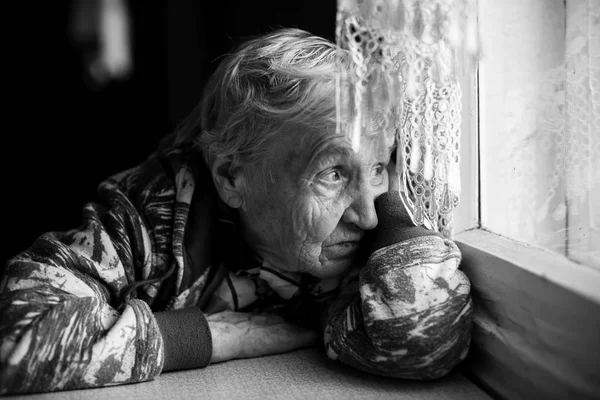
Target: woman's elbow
[[426, 349]]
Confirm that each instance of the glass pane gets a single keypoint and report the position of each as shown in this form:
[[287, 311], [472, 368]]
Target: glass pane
[[539, 94]]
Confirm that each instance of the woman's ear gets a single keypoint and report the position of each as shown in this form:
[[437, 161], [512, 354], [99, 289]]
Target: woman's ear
[[228, 182]]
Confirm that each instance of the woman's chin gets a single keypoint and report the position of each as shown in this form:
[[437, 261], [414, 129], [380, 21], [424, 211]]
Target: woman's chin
[[331, 267]]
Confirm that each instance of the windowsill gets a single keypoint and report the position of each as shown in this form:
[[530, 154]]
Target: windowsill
[[537, 320], [301, 374], [580, 279]]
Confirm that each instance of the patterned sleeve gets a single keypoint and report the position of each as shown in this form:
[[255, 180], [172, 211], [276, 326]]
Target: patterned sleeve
[[63, 321], [407, 313]]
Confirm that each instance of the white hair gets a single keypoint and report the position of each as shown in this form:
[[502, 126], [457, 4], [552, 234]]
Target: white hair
[[285, 78]]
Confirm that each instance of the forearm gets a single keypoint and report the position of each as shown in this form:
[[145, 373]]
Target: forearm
[[246, 335], [54, 341], [408, 313], [64, 324], [409, 319]]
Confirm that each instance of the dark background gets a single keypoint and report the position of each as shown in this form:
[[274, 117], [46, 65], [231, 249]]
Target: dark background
[[62, 136]]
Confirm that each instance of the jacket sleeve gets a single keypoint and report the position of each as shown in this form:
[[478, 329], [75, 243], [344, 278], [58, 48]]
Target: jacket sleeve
[[407, 313], [65, 321]]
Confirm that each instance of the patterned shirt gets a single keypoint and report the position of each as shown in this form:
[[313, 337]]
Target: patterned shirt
[[78, 308]]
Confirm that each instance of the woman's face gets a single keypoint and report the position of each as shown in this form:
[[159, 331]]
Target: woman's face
[[317, 205]]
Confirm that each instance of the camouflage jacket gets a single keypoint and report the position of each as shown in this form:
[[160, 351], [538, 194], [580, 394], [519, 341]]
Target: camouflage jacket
[[79, 308]]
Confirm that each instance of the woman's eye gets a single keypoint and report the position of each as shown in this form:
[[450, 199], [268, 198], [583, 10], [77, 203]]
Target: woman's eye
[[378, 174], [332, 176]]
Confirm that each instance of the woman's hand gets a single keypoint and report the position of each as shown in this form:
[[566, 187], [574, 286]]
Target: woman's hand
[[246, 335]]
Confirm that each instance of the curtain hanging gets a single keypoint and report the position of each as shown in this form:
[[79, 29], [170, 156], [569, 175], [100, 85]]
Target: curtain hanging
[[402, 86]]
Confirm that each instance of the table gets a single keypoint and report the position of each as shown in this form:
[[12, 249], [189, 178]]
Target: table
[[302, 374]]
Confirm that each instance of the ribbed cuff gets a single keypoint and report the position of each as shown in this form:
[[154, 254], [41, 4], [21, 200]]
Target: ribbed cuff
[[395, 225], [187, 338]]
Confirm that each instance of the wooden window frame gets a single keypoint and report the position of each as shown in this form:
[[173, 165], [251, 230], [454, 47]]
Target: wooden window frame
[[537, 314]]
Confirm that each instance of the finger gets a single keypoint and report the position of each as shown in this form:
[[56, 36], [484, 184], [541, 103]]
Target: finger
[[297, 336]]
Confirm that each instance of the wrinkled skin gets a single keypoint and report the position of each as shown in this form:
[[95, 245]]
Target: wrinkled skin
[[317, 205]]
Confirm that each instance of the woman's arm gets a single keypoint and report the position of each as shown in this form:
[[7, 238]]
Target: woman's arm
[[62, 323], [73, 310], [408, 312], [71, 318]]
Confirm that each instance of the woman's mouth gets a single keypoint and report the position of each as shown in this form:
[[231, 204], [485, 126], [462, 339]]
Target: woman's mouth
[[342, 249]]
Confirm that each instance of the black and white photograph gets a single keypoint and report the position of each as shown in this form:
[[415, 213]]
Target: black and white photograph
[[318, 199]]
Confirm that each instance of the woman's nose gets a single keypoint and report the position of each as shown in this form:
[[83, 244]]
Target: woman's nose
[[362, 209]]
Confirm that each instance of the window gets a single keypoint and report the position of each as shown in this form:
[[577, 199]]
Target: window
[[539, 114], [529, 218], [540, 128]]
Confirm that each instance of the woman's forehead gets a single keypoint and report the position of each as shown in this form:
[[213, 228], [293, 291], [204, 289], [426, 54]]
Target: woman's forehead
[[299, 151]]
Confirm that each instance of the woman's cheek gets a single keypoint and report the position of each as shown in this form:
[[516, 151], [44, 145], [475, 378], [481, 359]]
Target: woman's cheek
[[304, 213], [327, 217], [310, 219]]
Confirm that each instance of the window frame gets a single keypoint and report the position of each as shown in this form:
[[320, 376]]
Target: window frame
[[536, 330], [537, 314]]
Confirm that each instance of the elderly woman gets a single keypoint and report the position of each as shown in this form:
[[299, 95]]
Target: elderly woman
[[254, 229]]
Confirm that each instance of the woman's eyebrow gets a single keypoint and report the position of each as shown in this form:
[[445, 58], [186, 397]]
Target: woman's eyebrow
[[329, 151]]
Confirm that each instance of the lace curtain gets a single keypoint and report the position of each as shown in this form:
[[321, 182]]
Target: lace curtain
[[402, 86]]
